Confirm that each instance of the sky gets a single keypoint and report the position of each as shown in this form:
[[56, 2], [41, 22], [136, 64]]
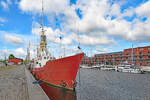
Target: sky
[[98, 26]]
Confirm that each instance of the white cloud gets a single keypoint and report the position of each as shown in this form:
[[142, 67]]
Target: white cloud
[[53, 35], [4, 5], [2, 20], [142, 31], [4, 52], [87, 24], [120, 29], [93, 13], [99, 50], [88, 40], [143, 9], [9, 2], [20, 52], [128, 12], [67, 51], [96, 24], [50, 6], [14, 40], [115, 10], [17, 39]]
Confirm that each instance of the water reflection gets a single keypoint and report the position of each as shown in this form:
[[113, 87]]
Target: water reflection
[[55, 93]]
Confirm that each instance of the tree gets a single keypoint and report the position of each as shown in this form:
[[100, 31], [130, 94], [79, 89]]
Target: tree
[[11, 56]]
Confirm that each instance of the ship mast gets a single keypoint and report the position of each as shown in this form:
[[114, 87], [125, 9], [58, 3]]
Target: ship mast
[[42, 16], [43, 36]]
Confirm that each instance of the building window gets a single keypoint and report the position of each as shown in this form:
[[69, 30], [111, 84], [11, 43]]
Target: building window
[[148, 48], [134, 49], [140, 57], [140, 53], [141, 49]]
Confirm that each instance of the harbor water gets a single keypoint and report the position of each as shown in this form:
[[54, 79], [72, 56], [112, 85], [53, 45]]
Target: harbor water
[[110, 85], [94, 84]]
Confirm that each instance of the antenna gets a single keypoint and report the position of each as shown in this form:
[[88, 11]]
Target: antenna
[[42, 17], [78, 37], [60, 45]]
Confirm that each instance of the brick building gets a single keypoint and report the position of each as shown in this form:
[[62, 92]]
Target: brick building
[[139, 56], [15, 61]]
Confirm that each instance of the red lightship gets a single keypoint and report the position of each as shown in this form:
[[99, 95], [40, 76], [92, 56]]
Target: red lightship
[[57, 72]]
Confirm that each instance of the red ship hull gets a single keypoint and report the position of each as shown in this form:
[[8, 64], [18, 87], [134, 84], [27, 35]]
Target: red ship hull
[[60, 72], [55, 93]]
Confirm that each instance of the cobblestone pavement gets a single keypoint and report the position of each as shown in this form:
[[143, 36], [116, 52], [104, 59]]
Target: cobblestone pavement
[[13, 84]]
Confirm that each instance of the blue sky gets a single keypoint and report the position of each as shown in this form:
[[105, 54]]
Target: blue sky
[[99, 25]]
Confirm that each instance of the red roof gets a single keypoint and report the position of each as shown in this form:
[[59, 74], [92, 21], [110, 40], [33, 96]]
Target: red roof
[[15, 60]]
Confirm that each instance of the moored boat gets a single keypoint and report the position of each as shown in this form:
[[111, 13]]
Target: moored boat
[[59, 72], [129, 69], [51, 71]]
